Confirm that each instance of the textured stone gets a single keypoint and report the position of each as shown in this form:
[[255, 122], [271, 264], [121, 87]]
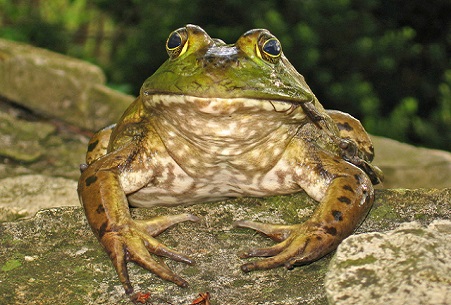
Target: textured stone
[[58, 86], [20, 139], [54, 257], [31, 144], [407, 166], [409, 265], [23, 196]]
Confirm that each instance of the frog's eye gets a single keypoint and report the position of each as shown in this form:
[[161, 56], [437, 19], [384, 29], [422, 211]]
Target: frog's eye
[[174, 41], [270, 49], [177, 43]]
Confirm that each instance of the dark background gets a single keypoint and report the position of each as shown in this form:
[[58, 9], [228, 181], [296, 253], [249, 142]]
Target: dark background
[[386, 62]]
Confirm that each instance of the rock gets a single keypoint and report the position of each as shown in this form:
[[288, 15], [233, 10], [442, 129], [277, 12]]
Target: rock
[[394, 207], [21, 139], [32, 144], [23, 196], [53, 257], [409, 265], [58, 86], [407, 166], [63, 155]]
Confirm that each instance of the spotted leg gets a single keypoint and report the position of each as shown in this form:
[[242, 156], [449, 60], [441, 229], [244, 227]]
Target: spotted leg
[[345, 203], [125, 240], [351, 128], [360, 150]]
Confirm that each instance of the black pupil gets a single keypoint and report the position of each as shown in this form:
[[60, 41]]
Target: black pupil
[[174, 41], [272, 47]]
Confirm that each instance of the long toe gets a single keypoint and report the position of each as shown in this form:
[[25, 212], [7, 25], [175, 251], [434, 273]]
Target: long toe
[[275, 232], [157, 225], [263, 252], [157, 248], [141, 256], [115, 249], [267, 263]]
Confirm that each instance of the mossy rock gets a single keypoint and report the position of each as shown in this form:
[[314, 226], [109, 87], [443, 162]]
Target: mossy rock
[[54, 258]]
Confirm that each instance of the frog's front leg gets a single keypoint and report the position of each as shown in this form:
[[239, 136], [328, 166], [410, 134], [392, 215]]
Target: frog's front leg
[[345, 196], [103, 196]]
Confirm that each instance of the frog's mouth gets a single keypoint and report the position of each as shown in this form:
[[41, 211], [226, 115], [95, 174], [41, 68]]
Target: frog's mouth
[[218, 106]]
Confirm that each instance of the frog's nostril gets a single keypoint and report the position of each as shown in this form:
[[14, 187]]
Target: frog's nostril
[[219, 62]]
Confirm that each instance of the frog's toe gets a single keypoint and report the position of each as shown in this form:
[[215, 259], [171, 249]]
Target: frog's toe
[[273, 231], [137, 249], [156, 225], [141, 256], [157, 248], [267, 263], [302, 244], [115, 249], [263, 252]]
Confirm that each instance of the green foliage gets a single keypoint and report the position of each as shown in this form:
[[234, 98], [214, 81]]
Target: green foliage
[[385, 62], [59, 25], [22, 22]]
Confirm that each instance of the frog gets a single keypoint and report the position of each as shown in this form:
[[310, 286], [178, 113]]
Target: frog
[[218, 121]]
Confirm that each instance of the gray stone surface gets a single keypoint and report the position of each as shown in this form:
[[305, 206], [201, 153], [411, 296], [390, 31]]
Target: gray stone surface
[[58, 86], [21, 139], [33, 145], [407, 166], [54, 256], [24, 195], [409, 265]]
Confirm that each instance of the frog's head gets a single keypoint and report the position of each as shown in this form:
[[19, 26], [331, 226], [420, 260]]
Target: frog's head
[[254, 68]]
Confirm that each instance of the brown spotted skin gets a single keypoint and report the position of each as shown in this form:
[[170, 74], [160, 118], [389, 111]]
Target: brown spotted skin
[[107, 210], [219, 121], [348, 198], [350, 128], [97, 146]]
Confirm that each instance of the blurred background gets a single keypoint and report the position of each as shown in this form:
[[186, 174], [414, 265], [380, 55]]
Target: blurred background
[[385, 62]]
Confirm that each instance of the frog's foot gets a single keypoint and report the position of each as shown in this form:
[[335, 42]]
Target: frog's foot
[[134, 242], [298, 245]]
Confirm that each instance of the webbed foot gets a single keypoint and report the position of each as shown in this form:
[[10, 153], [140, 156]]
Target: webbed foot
[[298, 245], [133, 241]]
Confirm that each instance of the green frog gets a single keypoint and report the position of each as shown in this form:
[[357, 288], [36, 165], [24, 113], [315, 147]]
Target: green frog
[[217, 121]]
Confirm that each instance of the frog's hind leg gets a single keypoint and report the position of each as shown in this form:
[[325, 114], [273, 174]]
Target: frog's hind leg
[[347, 199], [351, 128], [98, 144]]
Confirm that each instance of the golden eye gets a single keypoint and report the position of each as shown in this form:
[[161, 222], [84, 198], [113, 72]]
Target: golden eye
[[270, 48], [177, 43]]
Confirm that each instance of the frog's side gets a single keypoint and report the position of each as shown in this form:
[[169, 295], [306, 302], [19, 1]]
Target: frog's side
[[218, 121]]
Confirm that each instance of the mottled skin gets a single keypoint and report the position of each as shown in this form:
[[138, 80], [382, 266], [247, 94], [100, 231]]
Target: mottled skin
[[217, 121]]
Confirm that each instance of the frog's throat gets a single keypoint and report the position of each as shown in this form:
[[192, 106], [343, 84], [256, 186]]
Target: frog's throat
[[222, 127], [224, 106]]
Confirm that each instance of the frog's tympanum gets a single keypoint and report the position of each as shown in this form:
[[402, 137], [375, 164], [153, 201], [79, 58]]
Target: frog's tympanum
[[217, 121]]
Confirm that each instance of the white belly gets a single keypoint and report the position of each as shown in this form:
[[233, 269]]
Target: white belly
[[174, 187]]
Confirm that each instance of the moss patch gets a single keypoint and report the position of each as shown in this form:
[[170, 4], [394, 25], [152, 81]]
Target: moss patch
[[11, 265]]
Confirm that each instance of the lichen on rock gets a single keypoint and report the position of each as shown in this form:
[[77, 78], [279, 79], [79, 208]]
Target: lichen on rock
[[408, 265]]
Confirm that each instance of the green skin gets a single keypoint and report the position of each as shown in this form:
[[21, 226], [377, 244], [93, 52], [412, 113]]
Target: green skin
[[217, 121]]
